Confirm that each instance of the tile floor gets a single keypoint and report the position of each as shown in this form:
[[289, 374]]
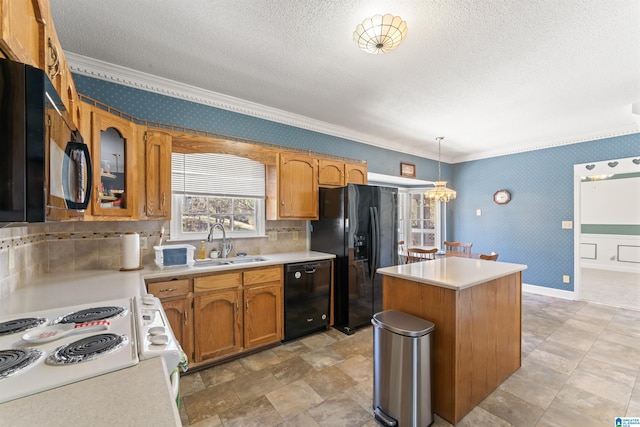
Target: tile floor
[[580, 367]]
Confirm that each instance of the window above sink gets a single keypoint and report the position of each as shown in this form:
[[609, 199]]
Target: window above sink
[[209, 188]]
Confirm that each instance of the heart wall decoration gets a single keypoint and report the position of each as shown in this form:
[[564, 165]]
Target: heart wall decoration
[[636, 161], [612, 164], [590, 167]]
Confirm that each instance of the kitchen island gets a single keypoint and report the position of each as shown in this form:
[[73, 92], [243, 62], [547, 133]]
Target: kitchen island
[[476, 308]]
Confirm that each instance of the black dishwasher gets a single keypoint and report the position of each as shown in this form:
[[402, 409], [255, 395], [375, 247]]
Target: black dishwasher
[[307, 288]]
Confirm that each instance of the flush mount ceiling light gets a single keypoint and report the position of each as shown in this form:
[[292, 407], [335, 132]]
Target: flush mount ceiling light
[[380, 34], [440, 192]]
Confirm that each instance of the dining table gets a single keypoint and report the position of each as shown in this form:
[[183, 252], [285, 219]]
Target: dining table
[[402, 254]]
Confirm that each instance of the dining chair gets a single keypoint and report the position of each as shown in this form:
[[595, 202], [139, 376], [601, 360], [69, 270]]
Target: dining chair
[[420, 254], [491, 257], [458, 247], [402, 255]]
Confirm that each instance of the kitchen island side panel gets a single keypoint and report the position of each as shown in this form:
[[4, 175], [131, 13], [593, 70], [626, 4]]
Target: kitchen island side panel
[[437, 305], [476, 341]]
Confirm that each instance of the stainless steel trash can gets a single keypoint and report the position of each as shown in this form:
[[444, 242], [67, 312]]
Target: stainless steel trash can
[[402, 369]]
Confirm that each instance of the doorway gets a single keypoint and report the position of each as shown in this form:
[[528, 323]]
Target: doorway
[[607, 232]]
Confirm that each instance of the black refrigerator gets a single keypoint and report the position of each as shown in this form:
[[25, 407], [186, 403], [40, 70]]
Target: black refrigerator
[[359, 224]]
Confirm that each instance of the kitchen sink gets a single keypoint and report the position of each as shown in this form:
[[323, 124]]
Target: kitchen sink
[[243, 260], [227, 261], [211, 262]]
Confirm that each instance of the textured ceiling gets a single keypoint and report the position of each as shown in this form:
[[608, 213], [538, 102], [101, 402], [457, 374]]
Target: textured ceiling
[[492, 77]]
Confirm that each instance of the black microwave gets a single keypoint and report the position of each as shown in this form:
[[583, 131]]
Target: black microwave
[[45, 167]]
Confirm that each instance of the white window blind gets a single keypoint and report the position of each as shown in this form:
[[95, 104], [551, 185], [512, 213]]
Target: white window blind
[[217, 174]]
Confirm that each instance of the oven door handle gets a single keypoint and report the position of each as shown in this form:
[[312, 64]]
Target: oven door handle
[[175, 384]]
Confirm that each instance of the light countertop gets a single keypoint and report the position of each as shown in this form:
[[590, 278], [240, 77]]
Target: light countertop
[[135, 396], [88, 286], [139, 395], [452, 272]]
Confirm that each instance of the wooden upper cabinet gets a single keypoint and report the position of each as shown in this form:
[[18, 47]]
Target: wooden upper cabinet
[[355, 173], [28, 35], [59, 73], [297, 186], [157, 175], [336, 173], [330, 173], [22, 31], [114, 166]]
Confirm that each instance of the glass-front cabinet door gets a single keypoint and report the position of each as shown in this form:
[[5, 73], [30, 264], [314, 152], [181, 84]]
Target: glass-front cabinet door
[[114, 161]]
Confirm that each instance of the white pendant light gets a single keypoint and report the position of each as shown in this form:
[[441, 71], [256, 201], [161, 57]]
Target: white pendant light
[[440, 192]]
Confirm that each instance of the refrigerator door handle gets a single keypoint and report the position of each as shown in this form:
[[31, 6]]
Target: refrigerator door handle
[[372, 243], [375, 241]]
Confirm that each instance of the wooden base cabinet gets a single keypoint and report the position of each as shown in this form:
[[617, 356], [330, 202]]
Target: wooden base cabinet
[[263, 305], [180, 315], [177, 302], [263, 315], [218, 324], [237, 311]]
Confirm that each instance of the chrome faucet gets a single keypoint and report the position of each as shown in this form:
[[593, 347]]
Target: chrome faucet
[[226, 248]]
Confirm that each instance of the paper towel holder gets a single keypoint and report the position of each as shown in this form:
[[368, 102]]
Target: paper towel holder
[[139, 267]]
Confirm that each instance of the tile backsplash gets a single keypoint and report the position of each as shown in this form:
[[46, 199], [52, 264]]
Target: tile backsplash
[[32, 250]]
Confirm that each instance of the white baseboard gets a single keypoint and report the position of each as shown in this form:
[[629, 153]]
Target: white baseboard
[[550, 292]]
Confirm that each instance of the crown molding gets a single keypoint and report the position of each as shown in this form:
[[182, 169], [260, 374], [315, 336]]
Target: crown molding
[[611, 133], [101, 70]]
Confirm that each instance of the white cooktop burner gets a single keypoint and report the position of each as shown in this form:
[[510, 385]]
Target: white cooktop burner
[[45, 373]]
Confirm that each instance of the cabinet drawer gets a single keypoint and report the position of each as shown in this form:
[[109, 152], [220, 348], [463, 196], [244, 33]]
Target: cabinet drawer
[[171, 288], [262, 275], [218, 281]]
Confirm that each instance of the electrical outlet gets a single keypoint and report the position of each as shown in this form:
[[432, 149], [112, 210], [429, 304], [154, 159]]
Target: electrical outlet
[[12, 259], [566, 279], [273, 236], [295, 235], [478, 212], [143, 242], [567, 225]]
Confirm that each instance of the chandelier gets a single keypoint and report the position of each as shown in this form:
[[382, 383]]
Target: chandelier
[[380, 34], [440, 192]]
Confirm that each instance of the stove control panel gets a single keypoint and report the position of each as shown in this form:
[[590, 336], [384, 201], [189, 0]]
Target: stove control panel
[[155, 337]]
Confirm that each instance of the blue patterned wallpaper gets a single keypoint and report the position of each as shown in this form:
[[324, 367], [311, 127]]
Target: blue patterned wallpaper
[[527, 230], [165, 109]]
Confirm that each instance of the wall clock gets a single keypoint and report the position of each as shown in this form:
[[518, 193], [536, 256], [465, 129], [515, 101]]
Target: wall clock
[[502, 197]]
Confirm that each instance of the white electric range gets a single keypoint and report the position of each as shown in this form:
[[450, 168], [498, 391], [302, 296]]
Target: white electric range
[[137, 329]]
